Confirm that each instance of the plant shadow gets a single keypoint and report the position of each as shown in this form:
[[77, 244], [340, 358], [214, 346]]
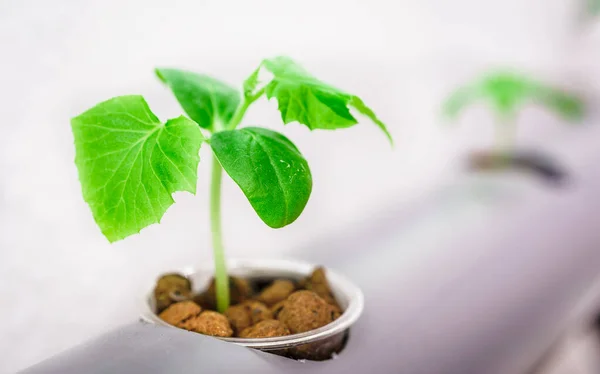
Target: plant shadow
[[533, 163]]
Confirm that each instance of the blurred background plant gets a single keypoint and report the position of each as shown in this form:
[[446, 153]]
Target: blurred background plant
[[506, 93]]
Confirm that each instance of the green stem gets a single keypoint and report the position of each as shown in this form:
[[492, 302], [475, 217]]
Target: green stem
[[505, 136], [241, 110], [221, 276]]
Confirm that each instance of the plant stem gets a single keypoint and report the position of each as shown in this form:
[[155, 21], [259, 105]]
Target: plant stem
[[221, 276], [505, 136], [241, 110]]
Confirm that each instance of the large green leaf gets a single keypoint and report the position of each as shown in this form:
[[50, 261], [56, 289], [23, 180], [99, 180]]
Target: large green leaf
[[205, 99], [269, 169], [305, 99], [130, 163]]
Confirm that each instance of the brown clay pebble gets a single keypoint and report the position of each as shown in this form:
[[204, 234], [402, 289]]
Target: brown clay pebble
[[209, 323], [171, 288], [239, 318], [174, 280], [305, 311], [265, 329], [177, 313], [317, 282], [275, 309], [239, 291], [247, 314], [258, 311], [278, 291]]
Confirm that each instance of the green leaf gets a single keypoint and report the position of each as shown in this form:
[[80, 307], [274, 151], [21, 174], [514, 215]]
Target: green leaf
[[251, 83], [205, 99], [507, 91], [458, 101], [305, 99], [567, 106], [360, 106], [269, 169], [130, 163]]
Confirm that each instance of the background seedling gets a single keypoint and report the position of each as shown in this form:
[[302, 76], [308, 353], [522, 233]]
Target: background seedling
[[506, 93]]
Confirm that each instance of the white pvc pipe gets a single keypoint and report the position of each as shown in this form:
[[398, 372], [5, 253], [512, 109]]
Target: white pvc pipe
[[480, 278]]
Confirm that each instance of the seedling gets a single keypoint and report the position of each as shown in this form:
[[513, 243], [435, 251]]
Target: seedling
[[506, 93], [130, 163]]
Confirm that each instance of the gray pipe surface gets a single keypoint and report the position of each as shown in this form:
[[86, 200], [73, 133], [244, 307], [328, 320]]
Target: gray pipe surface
[[480, 278]]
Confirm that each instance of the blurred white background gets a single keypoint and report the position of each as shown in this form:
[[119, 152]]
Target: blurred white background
[[61, 282]]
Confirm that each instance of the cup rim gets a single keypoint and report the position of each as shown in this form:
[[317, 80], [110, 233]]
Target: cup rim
[[339, 284]]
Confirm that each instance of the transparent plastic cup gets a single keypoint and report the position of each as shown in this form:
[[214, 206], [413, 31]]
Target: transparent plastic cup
[[319, 344]]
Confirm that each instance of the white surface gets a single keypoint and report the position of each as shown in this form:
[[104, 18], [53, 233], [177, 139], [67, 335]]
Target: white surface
[[61, 282]]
